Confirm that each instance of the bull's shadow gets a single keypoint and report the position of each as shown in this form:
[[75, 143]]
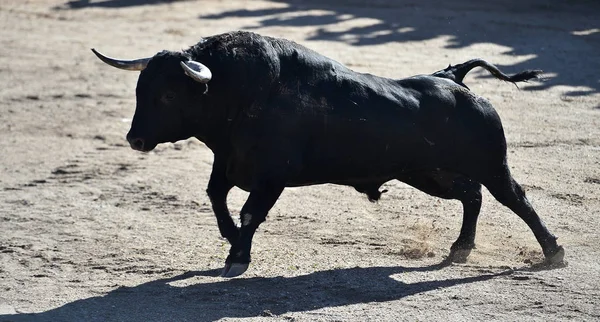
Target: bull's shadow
[[545, 33], [246, 297], [80, 4]]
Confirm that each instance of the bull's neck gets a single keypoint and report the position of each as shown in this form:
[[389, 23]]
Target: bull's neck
[[215, 127], [235, 86]]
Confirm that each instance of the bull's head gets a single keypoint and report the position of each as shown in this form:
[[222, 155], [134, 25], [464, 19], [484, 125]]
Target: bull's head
[[169, 90]]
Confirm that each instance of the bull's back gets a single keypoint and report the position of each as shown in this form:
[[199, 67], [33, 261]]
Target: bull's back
[[351, 127]]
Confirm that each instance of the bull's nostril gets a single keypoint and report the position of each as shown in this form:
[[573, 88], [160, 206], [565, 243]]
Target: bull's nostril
[[137, 144]]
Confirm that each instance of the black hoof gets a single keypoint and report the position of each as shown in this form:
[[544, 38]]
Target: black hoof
[[459, 255], [556, 257], [234, 269]]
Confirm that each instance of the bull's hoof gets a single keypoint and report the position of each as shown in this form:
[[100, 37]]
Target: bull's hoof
[[459, 255], [234, 269], [557, 257]]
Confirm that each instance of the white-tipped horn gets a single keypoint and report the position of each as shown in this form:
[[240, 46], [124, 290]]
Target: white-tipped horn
[[135, 64], [197, 71]]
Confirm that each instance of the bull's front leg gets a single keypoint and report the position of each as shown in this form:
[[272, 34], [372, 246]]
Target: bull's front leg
[[218, 188], [254, 212]]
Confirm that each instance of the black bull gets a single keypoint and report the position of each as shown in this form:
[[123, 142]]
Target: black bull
[[276, 114]]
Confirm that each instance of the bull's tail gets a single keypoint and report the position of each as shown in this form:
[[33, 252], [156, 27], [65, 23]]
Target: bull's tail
[[458, 72]]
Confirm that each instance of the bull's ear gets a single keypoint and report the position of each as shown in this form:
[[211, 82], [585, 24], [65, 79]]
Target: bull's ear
[[197, 71]]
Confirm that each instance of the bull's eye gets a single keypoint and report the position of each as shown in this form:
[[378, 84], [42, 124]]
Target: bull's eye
[[168, 97]]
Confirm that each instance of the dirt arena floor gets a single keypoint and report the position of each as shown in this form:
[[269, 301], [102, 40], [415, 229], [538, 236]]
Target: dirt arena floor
[[91, 230]]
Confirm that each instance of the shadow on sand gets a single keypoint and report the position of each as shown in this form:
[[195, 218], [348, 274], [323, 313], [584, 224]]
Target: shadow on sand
[[560, 38], [245, 297], [80, 4]]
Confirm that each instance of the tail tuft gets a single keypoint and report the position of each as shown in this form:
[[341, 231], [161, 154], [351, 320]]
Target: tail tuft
[[525, 75]]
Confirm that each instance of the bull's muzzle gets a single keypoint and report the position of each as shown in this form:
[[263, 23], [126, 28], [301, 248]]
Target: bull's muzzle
[[137, 144]]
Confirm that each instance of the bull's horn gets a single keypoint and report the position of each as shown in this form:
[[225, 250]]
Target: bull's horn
[[135, 64], [197, 71]]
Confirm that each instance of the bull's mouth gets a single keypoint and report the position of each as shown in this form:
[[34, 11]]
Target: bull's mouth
[[141, 145], [145, 150]]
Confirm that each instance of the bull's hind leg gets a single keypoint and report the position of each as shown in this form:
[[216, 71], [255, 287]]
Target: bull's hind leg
[[508, 192], [469, 194], [453, 186]]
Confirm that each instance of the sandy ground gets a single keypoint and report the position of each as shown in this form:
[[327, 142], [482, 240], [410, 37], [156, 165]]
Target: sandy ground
[[91, 230]]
